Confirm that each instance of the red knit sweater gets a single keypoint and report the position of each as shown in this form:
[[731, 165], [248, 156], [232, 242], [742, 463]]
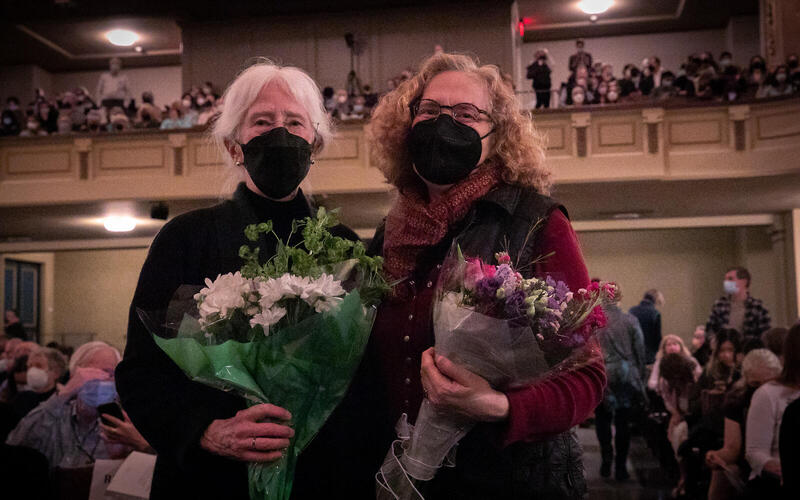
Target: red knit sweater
[[551, 406]]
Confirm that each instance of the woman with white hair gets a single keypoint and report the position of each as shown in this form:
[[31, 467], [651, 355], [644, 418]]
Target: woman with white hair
[[728, 464], [272, 124]]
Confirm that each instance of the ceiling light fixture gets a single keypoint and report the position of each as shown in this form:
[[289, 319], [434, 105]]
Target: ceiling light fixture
[[119, 223], [595, 6], [122, 38]]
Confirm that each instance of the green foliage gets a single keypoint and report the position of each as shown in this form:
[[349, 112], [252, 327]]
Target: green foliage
[[318, 252]]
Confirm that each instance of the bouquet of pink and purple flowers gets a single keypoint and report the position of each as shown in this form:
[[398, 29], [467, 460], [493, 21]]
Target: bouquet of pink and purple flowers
[[508, 329]]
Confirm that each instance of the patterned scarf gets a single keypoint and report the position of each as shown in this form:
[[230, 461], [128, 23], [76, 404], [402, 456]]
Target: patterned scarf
[[414, 224]]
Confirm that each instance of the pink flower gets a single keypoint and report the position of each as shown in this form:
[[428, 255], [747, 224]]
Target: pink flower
[[502, 258], [473, 272], [489, 271]]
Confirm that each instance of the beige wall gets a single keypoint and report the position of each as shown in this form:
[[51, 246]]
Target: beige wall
[[396, 39], [687, 265], [93, 291], [19, 81]]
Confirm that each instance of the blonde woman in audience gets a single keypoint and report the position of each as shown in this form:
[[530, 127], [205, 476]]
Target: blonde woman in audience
[[764, 419], [671, 344], [729, 468]]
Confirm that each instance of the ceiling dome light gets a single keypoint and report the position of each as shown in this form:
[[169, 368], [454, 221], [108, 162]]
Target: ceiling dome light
[[122, 38], [119, 223], [595, 6]]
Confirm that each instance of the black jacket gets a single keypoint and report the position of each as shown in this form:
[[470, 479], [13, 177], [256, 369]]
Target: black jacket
[[540, 74], [650, 321], [171, 411]]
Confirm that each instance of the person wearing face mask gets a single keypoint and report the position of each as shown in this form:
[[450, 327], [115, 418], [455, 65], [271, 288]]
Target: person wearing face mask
[[628, 82], [737, 309], [667, 89], [272, 125], [539, 74], [469, 168], [11, 119], [729, 468], [777, 84], [612, 96], [45, 367], [578, 96], [65, 428]]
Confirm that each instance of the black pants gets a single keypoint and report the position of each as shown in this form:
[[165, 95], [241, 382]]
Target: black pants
[[622, 438], [542, 99]]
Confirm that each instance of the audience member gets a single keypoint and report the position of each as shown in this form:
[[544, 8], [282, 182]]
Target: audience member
[[113, 88], [737, 309], [65, 428], [729, 467], [623, 351], [671, 344], [650, 320], [701, 345], [579, 58], [675, 384], [45, 367], [764, 421], [13, 325], [12, 119], [539, 73]]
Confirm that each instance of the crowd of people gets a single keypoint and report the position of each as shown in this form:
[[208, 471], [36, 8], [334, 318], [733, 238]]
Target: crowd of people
[[713, 413], [112, 109], [700, 77], [59, 412]]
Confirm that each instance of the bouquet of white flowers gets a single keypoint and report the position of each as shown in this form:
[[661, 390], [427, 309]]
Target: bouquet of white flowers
[[290, 332]]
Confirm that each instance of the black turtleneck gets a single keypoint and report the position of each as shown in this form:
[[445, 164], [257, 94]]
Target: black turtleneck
[[169, 410]]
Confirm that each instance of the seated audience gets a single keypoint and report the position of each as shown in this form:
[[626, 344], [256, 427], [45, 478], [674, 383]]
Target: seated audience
[[729, 467], [764, 421], [676, 382]]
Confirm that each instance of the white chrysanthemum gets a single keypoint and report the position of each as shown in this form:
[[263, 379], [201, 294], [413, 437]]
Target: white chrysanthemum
[[268, 317], [321, 289], [225, 293]]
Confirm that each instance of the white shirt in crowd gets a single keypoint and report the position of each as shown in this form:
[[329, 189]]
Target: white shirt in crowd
[[764, 423], [112, 87]]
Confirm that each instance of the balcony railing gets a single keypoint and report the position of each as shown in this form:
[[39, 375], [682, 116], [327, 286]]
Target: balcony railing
[[592, 144]]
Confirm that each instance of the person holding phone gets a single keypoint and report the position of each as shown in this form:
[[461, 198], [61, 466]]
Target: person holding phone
[[66, 428]]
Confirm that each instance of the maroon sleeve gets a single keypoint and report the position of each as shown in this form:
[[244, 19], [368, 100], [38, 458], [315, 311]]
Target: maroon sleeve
[[565, 398]]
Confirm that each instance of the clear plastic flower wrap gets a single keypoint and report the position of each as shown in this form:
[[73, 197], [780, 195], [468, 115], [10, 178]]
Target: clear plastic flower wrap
[[509, 330], [290, 332]]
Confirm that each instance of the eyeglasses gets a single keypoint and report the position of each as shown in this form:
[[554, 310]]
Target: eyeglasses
[[463, 112]]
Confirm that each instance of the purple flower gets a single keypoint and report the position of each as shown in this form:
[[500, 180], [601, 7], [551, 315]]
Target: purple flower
[[515, 304], [486, 289]]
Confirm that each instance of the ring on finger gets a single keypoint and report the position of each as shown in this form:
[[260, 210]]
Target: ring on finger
[[253, 444]]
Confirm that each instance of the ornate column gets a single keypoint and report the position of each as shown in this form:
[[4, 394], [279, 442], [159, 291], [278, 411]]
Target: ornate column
[[652, 118], [83, 146], [581, 122], [739, 116]]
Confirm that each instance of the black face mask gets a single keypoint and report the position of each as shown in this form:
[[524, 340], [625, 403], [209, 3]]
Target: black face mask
[[277, 162], [443, 150]]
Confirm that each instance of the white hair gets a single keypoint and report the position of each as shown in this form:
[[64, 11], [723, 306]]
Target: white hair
[[84, 352], [241, 94], [761, 361]]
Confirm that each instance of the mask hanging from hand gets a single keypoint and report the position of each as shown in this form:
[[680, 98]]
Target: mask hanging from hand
[[443, 150], [277, 161]]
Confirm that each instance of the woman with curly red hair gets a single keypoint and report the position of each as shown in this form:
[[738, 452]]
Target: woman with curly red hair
[[469, 167]]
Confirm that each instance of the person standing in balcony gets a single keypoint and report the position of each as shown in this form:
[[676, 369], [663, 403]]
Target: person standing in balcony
[[539, 72], [113, 88], [579, 58], [737, 309]]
